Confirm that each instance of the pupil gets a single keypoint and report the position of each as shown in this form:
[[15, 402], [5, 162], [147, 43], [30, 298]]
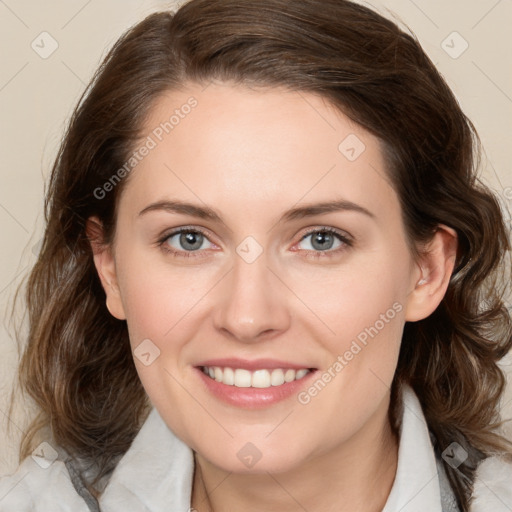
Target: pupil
[[188, 238], [322, 238]]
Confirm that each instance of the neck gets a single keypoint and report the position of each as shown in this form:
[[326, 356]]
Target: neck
[[356, 476]]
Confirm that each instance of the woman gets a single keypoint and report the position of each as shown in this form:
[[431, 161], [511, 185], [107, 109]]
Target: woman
[[269, 277]]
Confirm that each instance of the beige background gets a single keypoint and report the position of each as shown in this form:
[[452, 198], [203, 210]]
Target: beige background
[[37, 95]]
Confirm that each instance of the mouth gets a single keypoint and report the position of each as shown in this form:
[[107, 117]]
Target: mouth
[[253, 384], [261, 378]]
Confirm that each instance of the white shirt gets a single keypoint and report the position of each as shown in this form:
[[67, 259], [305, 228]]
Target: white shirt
[[156, 473]]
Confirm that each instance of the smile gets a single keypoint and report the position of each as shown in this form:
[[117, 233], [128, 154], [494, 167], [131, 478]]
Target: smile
[[264, 378]]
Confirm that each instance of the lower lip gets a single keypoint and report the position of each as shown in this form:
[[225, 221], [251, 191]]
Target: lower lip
[[253, 398]]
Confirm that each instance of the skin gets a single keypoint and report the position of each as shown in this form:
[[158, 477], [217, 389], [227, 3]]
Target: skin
[[252, 155]]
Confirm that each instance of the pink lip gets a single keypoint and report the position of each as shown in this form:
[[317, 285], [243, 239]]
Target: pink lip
[[256, 364], [253, 398]]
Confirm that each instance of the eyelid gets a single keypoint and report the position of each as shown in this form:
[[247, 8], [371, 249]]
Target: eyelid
[[343, 236], [347, 241], [168, 234]]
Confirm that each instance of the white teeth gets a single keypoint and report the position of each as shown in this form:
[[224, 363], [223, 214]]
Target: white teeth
[[261, 379], [277, 377], [289, 375], [242, 378], [228, 376], [298, 375]]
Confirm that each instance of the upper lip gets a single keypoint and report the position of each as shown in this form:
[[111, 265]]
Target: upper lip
[[255, 364]]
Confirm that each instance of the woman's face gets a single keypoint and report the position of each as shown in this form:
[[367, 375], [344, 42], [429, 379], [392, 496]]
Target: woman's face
[[251, 174]]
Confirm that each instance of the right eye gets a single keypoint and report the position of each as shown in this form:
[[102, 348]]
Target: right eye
[[181, 241]]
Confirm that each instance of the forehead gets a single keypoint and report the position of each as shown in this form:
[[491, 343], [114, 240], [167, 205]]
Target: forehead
[[256, 150]]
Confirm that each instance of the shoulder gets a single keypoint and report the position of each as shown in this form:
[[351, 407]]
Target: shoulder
[[493, 486], [35, 487]]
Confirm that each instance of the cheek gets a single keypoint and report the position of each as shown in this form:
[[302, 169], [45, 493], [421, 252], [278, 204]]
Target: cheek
[[354, 296], [149, 310], [359, 317], [362, 318], [157, 291], [159, 313]]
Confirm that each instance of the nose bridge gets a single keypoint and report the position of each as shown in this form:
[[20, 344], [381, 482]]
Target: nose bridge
[[253, 301]]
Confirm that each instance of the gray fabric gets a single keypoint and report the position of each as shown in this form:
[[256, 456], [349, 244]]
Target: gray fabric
[[81, 489], [448, 500]]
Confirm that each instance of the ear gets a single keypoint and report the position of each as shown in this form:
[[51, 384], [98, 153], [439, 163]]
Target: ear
[[433, 274], [105, 265]]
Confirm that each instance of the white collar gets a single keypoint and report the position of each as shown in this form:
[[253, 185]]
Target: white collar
[[416, 485], [156, 472]]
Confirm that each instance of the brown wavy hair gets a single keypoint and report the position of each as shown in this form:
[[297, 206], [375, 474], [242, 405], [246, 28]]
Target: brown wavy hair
[[77, 364]]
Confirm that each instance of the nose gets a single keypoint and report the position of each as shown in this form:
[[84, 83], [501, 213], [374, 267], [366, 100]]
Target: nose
[[252, 304]]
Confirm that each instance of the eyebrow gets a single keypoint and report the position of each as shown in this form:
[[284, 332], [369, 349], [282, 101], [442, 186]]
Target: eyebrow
[[301, 212]]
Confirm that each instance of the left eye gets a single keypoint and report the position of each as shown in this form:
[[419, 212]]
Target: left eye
[[190, 240], [324, 239]]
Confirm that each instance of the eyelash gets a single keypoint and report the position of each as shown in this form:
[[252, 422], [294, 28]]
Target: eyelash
[[347, 242]]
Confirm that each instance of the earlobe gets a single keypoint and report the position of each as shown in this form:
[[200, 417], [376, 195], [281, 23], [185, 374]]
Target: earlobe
[[435, 270], [105, 266]]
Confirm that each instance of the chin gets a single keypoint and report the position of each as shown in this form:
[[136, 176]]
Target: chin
[[249, 459]]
